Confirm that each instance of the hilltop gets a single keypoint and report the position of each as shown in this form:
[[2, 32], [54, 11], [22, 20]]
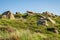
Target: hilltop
[[29, 26]]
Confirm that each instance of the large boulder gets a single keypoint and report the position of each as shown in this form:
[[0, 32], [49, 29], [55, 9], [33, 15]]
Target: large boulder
[[8, 15], [42, 21], [52, 21]]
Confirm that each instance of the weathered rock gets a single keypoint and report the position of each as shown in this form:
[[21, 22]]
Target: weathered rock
[[52, 30], [42, 21], [4, 17], [8, 15], [52, 21], [30, 13], [12, 16]]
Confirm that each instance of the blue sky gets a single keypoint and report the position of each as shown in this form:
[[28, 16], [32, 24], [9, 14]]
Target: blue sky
[[31, 5]]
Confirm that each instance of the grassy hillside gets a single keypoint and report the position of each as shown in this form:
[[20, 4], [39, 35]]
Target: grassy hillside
[[24, 27]]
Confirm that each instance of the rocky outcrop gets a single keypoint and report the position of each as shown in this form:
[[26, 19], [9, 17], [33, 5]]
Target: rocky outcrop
[[8, 15], [42, 21]]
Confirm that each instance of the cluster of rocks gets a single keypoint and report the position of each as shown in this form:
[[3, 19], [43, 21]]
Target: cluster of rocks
[[42, 20], [47, 17], [8, 15], [48, 14]]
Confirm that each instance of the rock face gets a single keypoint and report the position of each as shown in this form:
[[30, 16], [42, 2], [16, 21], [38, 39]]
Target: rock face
[[8, 15]]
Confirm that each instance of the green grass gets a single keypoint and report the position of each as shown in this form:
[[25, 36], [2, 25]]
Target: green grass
[[26, 30]]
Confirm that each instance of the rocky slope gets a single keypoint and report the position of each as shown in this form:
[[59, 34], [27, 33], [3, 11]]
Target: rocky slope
[[29, 26]]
